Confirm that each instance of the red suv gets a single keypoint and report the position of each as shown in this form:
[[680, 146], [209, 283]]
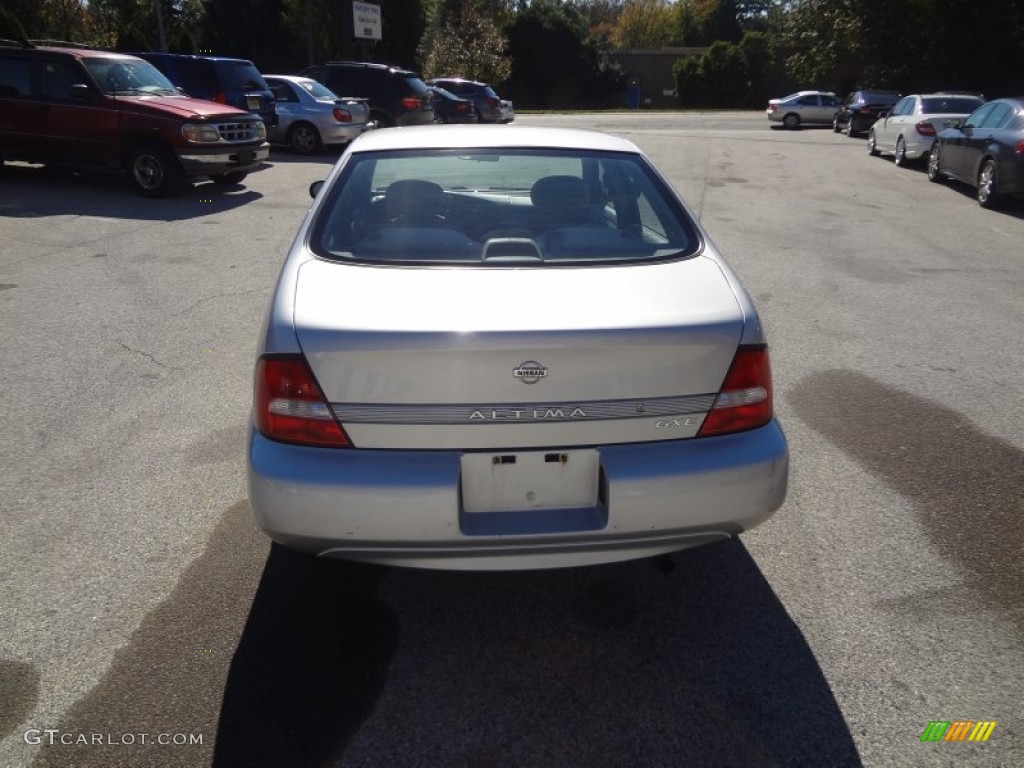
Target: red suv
[[85, 108]]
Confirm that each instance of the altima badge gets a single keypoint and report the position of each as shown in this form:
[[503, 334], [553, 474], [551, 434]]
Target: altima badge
[[530, 372]]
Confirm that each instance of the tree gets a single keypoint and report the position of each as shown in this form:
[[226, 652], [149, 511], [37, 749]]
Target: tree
[[644, 24], [555, 62], [468, 45]]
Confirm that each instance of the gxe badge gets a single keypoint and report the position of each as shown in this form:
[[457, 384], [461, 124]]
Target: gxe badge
[[530, 372]]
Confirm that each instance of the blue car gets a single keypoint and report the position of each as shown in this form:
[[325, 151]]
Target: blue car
[[236, 82]]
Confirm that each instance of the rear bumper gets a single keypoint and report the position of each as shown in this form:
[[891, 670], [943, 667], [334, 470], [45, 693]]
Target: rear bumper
[[403, 507]]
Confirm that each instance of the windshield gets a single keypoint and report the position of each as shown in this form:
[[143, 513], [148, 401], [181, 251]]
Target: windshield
[[125, 76], [495, 206]]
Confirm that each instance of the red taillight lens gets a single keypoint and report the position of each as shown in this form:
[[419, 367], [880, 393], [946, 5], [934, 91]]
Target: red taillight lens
[[1019, 149], [342, 115], [745, 400], [290, 407], [865, 110], [220, 98], [492, 103], [410, 103], [925, 129], [772, 107]]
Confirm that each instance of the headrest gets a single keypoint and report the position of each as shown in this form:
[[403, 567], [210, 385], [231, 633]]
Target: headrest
[[407, 197], [559, 192]]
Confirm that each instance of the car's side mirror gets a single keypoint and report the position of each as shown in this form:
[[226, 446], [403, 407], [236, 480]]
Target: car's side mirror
[[315, 187], [882, 115]]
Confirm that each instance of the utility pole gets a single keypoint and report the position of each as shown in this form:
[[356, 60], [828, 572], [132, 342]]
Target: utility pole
[[160, 25], [309, 33]]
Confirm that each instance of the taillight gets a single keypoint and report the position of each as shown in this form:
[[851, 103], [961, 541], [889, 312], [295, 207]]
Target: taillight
[[492, 103], [411, 103], [342, 115], [865, 110], [745, 400], [290, 407], [925, 128], [220, 98], [772, 107], [1019, 149]]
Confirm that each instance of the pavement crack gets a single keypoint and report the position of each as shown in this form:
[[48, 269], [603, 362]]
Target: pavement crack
[[149, 357], [219, 296]]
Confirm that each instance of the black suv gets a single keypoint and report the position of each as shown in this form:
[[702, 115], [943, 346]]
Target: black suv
[[396, 96], [485, 100], [861, 109], [216, 78], [92, 109]]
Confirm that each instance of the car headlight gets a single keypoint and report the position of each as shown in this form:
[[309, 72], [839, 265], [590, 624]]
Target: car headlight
[[261, 129], [200, 134]]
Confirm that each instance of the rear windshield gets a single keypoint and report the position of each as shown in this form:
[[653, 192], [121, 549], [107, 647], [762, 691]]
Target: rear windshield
[[964, 105], [241, 75], [414, 83], [531, 207], [879, 97], [318, 90]]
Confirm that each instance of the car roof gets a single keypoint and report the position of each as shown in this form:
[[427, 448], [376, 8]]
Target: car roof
[[459, 80], [486, 137], [85, 53], [365, 65]]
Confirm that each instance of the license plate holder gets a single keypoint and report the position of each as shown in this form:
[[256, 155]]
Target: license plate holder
[[253, 102], [529, 480]]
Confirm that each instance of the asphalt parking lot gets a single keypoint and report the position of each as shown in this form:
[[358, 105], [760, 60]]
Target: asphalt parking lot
[[140, 606]]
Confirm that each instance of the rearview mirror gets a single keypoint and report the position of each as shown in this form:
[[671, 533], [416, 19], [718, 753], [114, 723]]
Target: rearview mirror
[[314, 188]]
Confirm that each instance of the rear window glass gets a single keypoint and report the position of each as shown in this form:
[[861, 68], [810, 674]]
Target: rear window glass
[[957, 105], [531, 207], [241, 75], [318, 90]]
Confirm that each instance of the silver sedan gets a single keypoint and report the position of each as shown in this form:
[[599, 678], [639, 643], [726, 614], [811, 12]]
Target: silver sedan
[[311, 115], [504, 350]]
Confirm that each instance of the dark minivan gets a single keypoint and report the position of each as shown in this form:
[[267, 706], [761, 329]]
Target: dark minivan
[[235, 82]]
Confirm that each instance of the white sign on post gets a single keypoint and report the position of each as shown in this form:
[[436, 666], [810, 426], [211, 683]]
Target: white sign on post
[[366, 21]]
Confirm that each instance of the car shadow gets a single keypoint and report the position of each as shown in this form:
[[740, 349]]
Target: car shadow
[[32, 191], [353, 664], [325, 156], [1007, 205]]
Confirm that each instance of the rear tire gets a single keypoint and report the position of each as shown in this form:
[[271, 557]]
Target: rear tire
[[934, 171], [155, 171], [848, 128], [835, 125], [304, 139], [791, 121], [987, 182], [900, 156]]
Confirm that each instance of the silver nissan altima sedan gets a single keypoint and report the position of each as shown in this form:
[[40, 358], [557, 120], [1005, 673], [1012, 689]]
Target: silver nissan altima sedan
[[508, 349]]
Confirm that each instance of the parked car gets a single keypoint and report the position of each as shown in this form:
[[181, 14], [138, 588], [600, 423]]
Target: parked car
[[218, 78], [434, 389], [92, 109], [987, 152], [449, 108], [909, 129], [508, 111], [860, 110], [486, 101], [803, 108], [396, 96], [310, 114]]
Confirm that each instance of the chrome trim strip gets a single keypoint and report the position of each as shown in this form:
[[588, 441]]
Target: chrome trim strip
[[520, 413]]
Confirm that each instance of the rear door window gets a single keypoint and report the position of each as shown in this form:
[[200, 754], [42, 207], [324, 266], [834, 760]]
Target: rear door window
[[240, 75], [15, 76]]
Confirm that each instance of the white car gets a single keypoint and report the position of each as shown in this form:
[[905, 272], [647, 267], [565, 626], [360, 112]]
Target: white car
[[910, 128], [503, 350], [508, 111]]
